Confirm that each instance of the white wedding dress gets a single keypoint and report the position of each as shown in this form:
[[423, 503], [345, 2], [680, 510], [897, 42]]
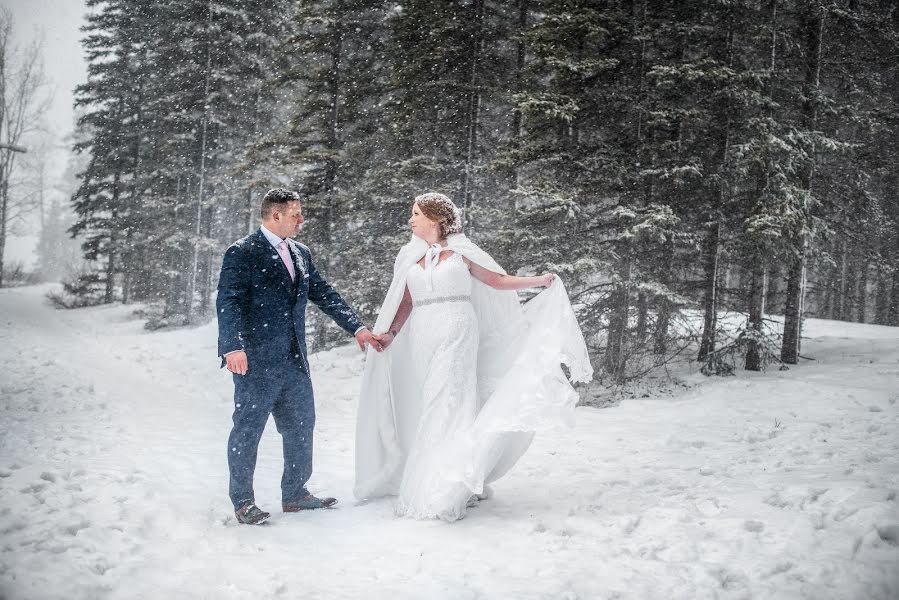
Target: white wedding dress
[[443, 337], [455, 400]]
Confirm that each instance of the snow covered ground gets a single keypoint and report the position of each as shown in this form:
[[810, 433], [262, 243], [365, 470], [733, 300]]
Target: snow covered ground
[[113, 482]]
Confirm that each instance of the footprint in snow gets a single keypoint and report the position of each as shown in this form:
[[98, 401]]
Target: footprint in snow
[[753, 526], [13, 528], [73, 528], [278, 588], [889, 533], [100, 566], [844, 513], [632, 525], [779, 568], [34, 488], [731, 579], [776, 500], [819, 520]]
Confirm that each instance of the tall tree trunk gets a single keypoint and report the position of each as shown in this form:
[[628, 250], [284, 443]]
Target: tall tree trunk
[[642, 316], [130, 264], [4, 203], [206, 288], [828, 278], [616, 341], [843, 289], [757, 289], [775, 276], [114, 231], [728, 276], [180, 261], [251, 214], [664, 307], [711, 264], [713, 235], [332, 166], [334, 136], [861, 290], [6, 167], [172, 298], [520, 57], [793, 309], [663, 323], [619, 306], [640, 137], [893, 307], [195, 262], [6, 160], [761, 272], [884, 283], [474, 106]]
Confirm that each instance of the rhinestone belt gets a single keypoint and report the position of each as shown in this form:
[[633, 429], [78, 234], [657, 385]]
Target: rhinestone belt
[[427, 301]]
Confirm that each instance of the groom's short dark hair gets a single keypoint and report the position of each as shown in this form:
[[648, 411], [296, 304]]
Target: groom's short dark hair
[[276, 196]]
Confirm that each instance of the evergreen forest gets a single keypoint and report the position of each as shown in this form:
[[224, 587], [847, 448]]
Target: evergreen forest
[[672, 160]]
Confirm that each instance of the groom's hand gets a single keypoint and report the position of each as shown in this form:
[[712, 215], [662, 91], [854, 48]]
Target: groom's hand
[[364, 336], [236, 362]]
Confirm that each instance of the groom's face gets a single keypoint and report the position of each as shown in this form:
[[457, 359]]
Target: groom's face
[[287, 221]]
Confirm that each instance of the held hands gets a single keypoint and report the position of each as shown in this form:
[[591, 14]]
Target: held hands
[[236, 362], [364, 336], [386, 338], [547, 279]]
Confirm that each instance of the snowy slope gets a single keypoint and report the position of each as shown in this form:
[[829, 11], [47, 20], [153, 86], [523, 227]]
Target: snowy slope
[[113, 482]]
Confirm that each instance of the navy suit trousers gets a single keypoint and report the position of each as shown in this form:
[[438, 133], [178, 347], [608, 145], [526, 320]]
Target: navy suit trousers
[[285, 392]]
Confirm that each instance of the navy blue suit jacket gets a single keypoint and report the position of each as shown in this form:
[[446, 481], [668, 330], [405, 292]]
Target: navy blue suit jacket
[[261, 311]]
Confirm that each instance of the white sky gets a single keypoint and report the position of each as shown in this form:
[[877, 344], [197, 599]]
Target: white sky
[[59, 23]]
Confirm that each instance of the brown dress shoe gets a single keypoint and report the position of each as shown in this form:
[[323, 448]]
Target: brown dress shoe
[[309, 502]]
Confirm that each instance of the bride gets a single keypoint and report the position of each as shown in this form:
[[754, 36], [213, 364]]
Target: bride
[[469, 375]]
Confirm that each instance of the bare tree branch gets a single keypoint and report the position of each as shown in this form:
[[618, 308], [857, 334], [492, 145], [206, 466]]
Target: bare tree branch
[[23, 102]]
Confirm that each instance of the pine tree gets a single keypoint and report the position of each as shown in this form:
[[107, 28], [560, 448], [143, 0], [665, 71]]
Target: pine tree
[[727, 155], [593, 210], [450, 64], [168, 117], [334, 62], [105, 203]]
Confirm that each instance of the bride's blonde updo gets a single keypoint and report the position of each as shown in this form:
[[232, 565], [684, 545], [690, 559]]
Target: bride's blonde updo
[[442, 211]]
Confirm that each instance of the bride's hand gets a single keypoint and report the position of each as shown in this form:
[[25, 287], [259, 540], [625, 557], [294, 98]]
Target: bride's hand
[[385, 339], [548, 279]]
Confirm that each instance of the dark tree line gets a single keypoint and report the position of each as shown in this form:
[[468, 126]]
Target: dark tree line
[[670, 159]]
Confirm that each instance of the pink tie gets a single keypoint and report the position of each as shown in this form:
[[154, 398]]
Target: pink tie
[[285, 257]]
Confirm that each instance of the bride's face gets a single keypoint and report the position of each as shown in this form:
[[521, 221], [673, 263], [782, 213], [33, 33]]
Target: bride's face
[[422, 226]]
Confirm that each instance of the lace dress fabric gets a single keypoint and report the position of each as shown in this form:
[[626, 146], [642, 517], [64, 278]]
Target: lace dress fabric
[[443, 332]]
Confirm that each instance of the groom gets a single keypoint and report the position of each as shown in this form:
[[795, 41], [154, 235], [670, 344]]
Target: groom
[[265, 282]]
